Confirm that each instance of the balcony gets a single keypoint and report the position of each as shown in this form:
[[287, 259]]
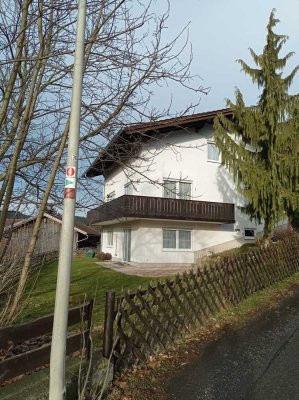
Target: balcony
[[136, 207]]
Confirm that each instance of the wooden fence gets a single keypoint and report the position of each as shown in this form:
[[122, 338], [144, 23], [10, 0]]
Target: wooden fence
[[142, 323], [22, 335]]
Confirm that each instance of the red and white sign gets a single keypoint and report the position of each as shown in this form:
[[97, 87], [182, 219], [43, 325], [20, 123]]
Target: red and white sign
[[69, 193], [70, 171]]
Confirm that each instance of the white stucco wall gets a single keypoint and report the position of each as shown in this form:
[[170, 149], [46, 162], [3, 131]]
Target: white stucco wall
[[181, 155], [147, 240]]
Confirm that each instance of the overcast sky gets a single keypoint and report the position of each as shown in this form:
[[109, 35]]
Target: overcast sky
[[221, 31]]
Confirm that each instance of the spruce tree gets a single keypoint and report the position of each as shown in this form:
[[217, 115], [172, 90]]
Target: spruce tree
[[259, 143]]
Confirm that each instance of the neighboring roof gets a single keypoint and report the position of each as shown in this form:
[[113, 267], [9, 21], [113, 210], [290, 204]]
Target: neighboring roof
[[117, 148], [11, 214], [9, 222], [88, 230], [81, 228], [80, 219], [13, 217]]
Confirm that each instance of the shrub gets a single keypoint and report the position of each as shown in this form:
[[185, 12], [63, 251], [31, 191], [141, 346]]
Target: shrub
[[108, 256], [100, 256], [104, 256]]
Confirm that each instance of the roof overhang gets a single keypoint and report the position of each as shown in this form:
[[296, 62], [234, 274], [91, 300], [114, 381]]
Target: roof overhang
[[127, 141]]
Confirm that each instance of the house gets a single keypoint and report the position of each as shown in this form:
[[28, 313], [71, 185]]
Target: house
[[18, 235], [167, 198], [14, 217]]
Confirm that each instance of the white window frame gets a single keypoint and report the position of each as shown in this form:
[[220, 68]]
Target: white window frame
[[176, 192], [110, 238], [177, 230], [250, 237], [211, 142]]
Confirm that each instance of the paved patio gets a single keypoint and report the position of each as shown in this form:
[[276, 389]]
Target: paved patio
[[145, 270]]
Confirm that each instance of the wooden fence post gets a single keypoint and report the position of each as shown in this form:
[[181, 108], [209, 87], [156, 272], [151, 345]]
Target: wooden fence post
[[226, 280], [89, 322], [108, 324]]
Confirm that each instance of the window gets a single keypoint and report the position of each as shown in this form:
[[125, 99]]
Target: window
[[184, 190], [177, 239], [177, 189], [213, 152], [110, 238], [110, 196], [128, 188], [170, 189], [184, 239], [249, 233], [169, 239]]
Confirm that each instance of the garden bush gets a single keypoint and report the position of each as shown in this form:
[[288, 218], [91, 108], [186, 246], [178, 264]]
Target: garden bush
[[104, 256]]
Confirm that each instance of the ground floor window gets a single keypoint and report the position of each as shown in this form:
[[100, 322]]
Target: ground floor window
[[177, 239], [249, 233], [110, 238]]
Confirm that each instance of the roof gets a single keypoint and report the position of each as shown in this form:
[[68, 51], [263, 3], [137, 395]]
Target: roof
[[88, 230], [81, 228], [130, 137], [10, 221]]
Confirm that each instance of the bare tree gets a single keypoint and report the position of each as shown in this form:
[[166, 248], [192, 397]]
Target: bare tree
[[125, 56]]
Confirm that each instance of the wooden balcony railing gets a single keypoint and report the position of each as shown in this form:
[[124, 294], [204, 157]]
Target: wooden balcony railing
[[158, 207]]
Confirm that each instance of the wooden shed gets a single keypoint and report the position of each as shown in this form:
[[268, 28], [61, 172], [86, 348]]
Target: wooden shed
[[18, 235]]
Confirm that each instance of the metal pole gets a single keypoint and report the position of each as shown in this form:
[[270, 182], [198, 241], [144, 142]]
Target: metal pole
[[57, 390]]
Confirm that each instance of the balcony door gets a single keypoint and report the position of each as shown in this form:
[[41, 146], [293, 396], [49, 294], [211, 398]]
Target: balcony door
[[127, 245]]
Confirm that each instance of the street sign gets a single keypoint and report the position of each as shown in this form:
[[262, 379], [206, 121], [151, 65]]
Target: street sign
[[69, 193], [70, 171], [70, 182]]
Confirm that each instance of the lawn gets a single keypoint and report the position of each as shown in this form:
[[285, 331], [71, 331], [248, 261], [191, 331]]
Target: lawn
[[88, 278]]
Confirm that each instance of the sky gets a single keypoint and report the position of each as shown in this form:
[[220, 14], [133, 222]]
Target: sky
[[221, 31]]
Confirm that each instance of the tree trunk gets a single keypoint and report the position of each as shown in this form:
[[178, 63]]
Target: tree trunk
[[268, 230]]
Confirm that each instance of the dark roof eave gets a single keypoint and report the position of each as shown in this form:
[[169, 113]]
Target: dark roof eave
[[96, 168]]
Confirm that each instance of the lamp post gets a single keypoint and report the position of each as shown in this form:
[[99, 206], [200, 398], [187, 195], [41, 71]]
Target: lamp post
[[57, 389]]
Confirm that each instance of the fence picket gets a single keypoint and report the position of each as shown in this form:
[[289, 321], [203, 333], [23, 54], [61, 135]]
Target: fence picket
[[30, 360], [152, 318]]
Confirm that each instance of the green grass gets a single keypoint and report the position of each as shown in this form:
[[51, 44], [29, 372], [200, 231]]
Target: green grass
[[88, 278], [235, 252], [263, 299], [239, 250]]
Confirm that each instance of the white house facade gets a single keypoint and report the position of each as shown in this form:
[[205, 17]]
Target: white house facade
[[166, 195]]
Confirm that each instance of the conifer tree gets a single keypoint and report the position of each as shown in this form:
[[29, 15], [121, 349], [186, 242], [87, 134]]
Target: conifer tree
[[259, 143]]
